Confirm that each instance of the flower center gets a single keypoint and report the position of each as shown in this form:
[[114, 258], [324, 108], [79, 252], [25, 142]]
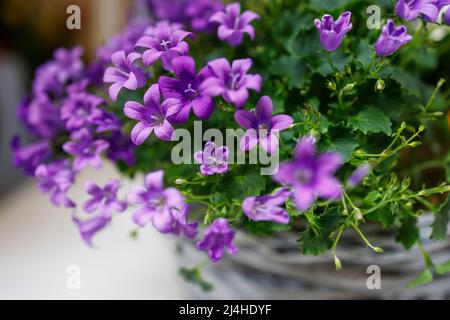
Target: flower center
[[213, 161], [303, 175], [236, 23], [164, 44], [190, 91], [235, 81], [157, 119]]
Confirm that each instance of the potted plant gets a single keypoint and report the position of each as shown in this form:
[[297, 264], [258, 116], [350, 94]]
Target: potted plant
[[280, 129]]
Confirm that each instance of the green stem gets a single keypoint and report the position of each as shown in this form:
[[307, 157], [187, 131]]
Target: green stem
[[376, 249]]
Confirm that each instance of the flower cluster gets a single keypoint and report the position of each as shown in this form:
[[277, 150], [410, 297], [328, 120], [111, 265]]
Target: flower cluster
[[182, 64]]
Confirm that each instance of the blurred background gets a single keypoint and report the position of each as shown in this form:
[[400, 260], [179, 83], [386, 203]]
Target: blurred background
[[39, 243]]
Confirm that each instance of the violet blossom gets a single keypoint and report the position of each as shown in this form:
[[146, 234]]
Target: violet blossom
[[124, 74], [121, 148], [55, 179], [412, 9], [77, 110], [212, 159], [31, 156], [104, 198], [165, 43], [157, 204], [262, 126], [187, 90], [89, 227], [85, 149], [268, 207], [444, 5], [180, 225], [152, 116], [233, 24], [391, 39], [232, 82], [331, 32], [358, 175], [105, 121], [198, 12], [311, 175], [218, 237]]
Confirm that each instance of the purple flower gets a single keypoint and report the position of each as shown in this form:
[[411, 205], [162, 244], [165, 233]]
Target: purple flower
[[171, 10], [187, 90], [391, 39], [121, 148], [104, 198], [31, 156], [88, 228], [446, 14], [125, 74], [268, 207], [200, 11], [411, 9], [157, 204], [77, 110], [311, 175], [218, 237], [232, 82], [164, 42], [213, 159], [85, 149], [181, 224], [152, 116], [55, 179], [332, 33], [358, 175], [53, 76], [262, 126], [233, 24], [40, 116], [105, 121]]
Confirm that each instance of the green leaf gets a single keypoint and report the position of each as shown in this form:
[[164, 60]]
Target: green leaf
[[364, 53], [443, 268], [247, 185], [291, 68], [344, 146], [194, 276], [371, 120], [440, 223], [264, 228], [329, 4], [408, 233], [316, 239], [424, 278]]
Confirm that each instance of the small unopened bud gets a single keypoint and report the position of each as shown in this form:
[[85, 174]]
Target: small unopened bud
[[403, 125], [181, 181], [331, 85], [337, 263], [422, 128], [349, 87], [415, 144], [358, 214], [380, 85], [377, 249]]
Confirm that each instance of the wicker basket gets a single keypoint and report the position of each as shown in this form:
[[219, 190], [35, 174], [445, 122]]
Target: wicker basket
[[272, 268]]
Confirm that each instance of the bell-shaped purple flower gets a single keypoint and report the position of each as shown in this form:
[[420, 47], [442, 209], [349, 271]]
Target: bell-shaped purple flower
[[104, 199], [180, 225], [218, 237], [157, 204], [29, 157], [262, 126], [121, 148], [85, 149], [124, 74], [358, 175], [268, 207], [187, 90], [444, 5], [412, 9], [55, 179], [89, 227], [152, 116], [163, 42], [391, 39], [212, 159], [105, 121], [198, 12], [311, 175], [78, 109], [331, 32], [231, 82], [233, 25]]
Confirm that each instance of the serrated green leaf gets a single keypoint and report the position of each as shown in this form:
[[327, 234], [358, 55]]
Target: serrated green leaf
[[344, 146], [440, 223], [424, 278], [408, 233], [329, 4], [443, 268], [244, 186], [291, 68], [371, 120]]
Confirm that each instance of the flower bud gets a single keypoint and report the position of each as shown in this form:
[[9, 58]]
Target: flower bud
[[380, 85]]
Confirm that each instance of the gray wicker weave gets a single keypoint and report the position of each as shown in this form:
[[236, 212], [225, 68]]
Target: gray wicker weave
[[273, 268]]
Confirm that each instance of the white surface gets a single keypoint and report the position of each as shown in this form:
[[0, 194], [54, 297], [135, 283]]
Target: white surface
[[38, 242]]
